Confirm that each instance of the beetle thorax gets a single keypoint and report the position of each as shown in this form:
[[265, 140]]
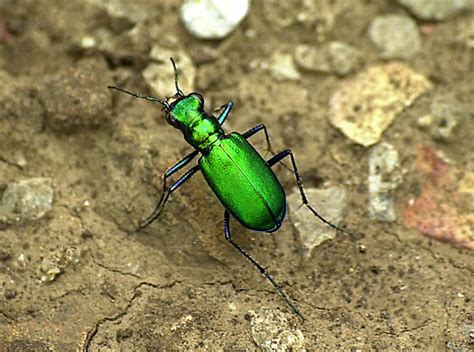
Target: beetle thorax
[[200, 129]]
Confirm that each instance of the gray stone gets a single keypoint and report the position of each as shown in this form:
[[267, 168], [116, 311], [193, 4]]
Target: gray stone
[[395, 36], [271, 331], [436, 9], [446, 114], [27, 200], [336, 57]]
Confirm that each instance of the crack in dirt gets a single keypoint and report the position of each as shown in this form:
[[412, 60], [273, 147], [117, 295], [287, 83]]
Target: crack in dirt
[[136, 294], [114, 270], [393, 331], [460, 267]]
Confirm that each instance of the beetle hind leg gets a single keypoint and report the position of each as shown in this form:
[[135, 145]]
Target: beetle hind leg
[[259, 267], [275, 159]]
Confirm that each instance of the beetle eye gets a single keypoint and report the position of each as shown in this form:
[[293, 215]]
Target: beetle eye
[[198, 97], [171, 119]]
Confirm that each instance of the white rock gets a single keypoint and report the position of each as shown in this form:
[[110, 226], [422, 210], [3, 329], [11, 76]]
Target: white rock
[[384, 177], [329, 203], [282, 67], [213, 19]]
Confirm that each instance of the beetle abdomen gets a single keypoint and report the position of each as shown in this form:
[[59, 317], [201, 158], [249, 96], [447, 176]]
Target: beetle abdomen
[[244, 183]]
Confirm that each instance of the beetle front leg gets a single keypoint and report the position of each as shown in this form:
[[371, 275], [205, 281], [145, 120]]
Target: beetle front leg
[[165, 195], [225, 113]]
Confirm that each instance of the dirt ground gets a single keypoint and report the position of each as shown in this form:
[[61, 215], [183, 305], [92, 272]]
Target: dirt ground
[[178, 285]]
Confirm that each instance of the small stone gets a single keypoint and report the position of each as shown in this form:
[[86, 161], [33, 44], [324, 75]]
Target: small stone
[[9, 293], [365, 105], [436, 10], [384, 177], [88, 42], [425, 121], [57, 262], [21, 160], [271, 331], [395, 36], [27, 200], [160, 76], [335, 57], [213, 19], [282, 67], [312, 58], [329, 203], [446, 114], [344, 58]]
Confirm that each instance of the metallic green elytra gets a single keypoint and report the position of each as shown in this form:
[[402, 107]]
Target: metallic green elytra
[[238, 175], [244, 183]]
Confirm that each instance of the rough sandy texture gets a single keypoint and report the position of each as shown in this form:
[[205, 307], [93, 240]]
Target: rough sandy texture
[[178, 285]]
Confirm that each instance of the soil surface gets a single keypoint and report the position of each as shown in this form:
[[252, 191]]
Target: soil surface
[[178, 285]]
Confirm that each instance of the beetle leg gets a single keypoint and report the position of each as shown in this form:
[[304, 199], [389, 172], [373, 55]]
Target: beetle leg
[[258, 128], [225, 113], [275, 159], [249, 133], [259, 267], [178, 166], [165, 195]]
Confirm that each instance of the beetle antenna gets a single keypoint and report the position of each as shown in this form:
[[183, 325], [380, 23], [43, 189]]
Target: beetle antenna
[[175, 69], [153, 99]]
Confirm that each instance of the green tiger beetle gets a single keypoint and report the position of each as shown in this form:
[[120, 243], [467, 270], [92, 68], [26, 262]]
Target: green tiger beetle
[[237, 174]]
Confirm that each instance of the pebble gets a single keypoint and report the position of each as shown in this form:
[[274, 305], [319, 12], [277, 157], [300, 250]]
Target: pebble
[[384, 177], [365, 105], [160, 76], [213, 19], [436, 10], [329, 203], [9, 293], [395, 36], [27, 200], [57, 262], [282, 67], [336, 57], [271, 331], [446, 114]]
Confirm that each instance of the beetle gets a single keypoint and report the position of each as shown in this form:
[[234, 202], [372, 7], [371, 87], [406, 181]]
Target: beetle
[[238, 175]]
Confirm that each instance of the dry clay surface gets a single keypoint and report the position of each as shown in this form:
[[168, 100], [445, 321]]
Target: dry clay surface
[[80, 277]]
